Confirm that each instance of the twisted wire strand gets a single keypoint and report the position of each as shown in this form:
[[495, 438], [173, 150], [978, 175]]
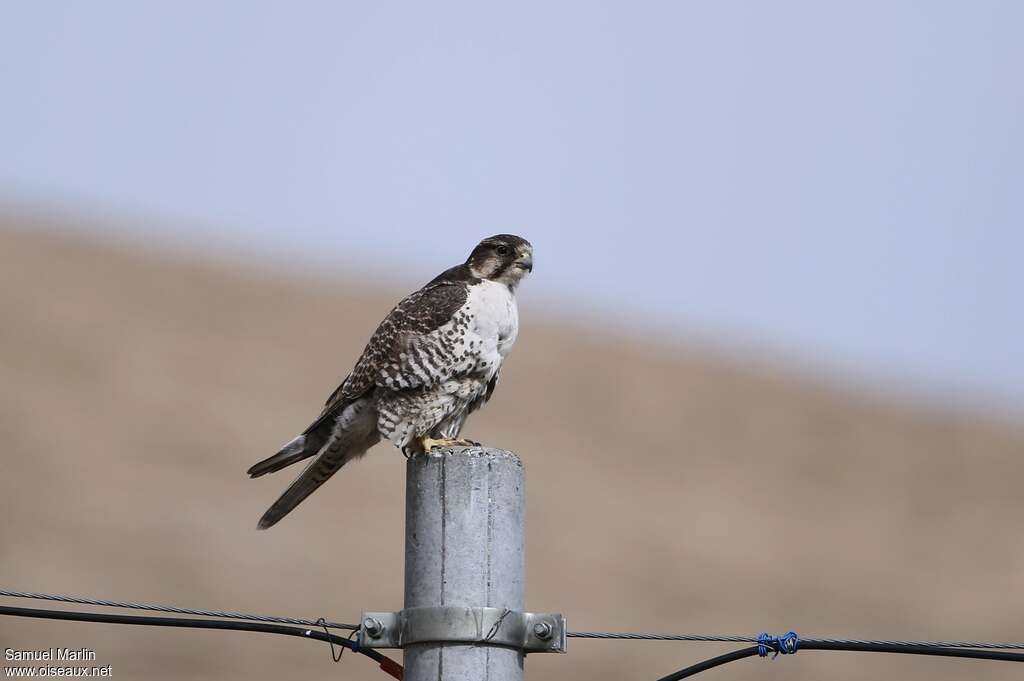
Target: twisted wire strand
[[983, 645], [641, 636], [173, 609], [613, 635]]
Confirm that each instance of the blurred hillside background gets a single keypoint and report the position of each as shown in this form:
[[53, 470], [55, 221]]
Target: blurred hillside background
[[770, 373]]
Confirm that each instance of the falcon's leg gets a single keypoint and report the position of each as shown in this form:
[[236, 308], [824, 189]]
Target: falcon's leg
[[448, 430], [429, 443]]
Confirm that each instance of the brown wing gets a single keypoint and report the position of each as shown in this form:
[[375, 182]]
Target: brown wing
[[483, 399], [388, 349]]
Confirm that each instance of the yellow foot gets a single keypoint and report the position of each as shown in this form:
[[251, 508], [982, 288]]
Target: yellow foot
[[430, 443]]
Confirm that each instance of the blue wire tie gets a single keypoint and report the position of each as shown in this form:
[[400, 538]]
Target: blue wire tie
[[787, 644]]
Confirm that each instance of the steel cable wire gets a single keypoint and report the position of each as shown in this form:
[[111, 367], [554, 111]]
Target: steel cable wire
[[905, 649], [386, 664], [176, 610], [716, 638], [969, 649]]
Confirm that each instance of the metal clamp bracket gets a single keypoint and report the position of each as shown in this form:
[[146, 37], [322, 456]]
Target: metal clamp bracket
[[530, 632]]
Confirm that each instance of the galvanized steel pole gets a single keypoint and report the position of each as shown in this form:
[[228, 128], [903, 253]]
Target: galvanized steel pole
[[464, 546]]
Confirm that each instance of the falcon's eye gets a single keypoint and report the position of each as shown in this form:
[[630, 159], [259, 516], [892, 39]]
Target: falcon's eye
[[503, 250]]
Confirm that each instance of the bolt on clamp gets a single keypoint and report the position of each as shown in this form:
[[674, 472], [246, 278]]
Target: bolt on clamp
[[527, 631]]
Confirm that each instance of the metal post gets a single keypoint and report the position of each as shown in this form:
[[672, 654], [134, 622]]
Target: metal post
[[464, 546]]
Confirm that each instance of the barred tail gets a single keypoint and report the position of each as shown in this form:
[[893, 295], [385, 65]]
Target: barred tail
[[337, 437], [330, 461]]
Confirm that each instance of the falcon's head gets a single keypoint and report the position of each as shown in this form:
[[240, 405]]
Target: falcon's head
[[505, 258]]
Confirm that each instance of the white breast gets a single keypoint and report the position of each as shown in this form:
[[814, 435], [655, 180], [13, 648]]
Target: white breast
[[495, 316]]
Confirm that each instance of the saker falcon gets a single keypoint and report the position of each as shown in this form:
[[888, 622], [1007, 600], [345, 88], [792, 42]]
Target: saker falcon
[[433, 361]]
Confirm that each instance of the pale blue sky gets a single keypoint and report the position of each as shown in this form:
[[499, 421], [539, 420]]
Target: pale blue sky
[[839, 180]]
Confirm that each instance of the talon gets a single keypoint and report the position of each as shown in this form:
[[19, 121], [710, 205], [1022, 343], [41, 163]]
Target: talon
[[430, 443]]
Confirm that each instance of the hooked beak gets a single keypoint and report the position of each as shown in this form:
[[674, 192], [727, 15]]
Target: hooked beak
[[525, 261]]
